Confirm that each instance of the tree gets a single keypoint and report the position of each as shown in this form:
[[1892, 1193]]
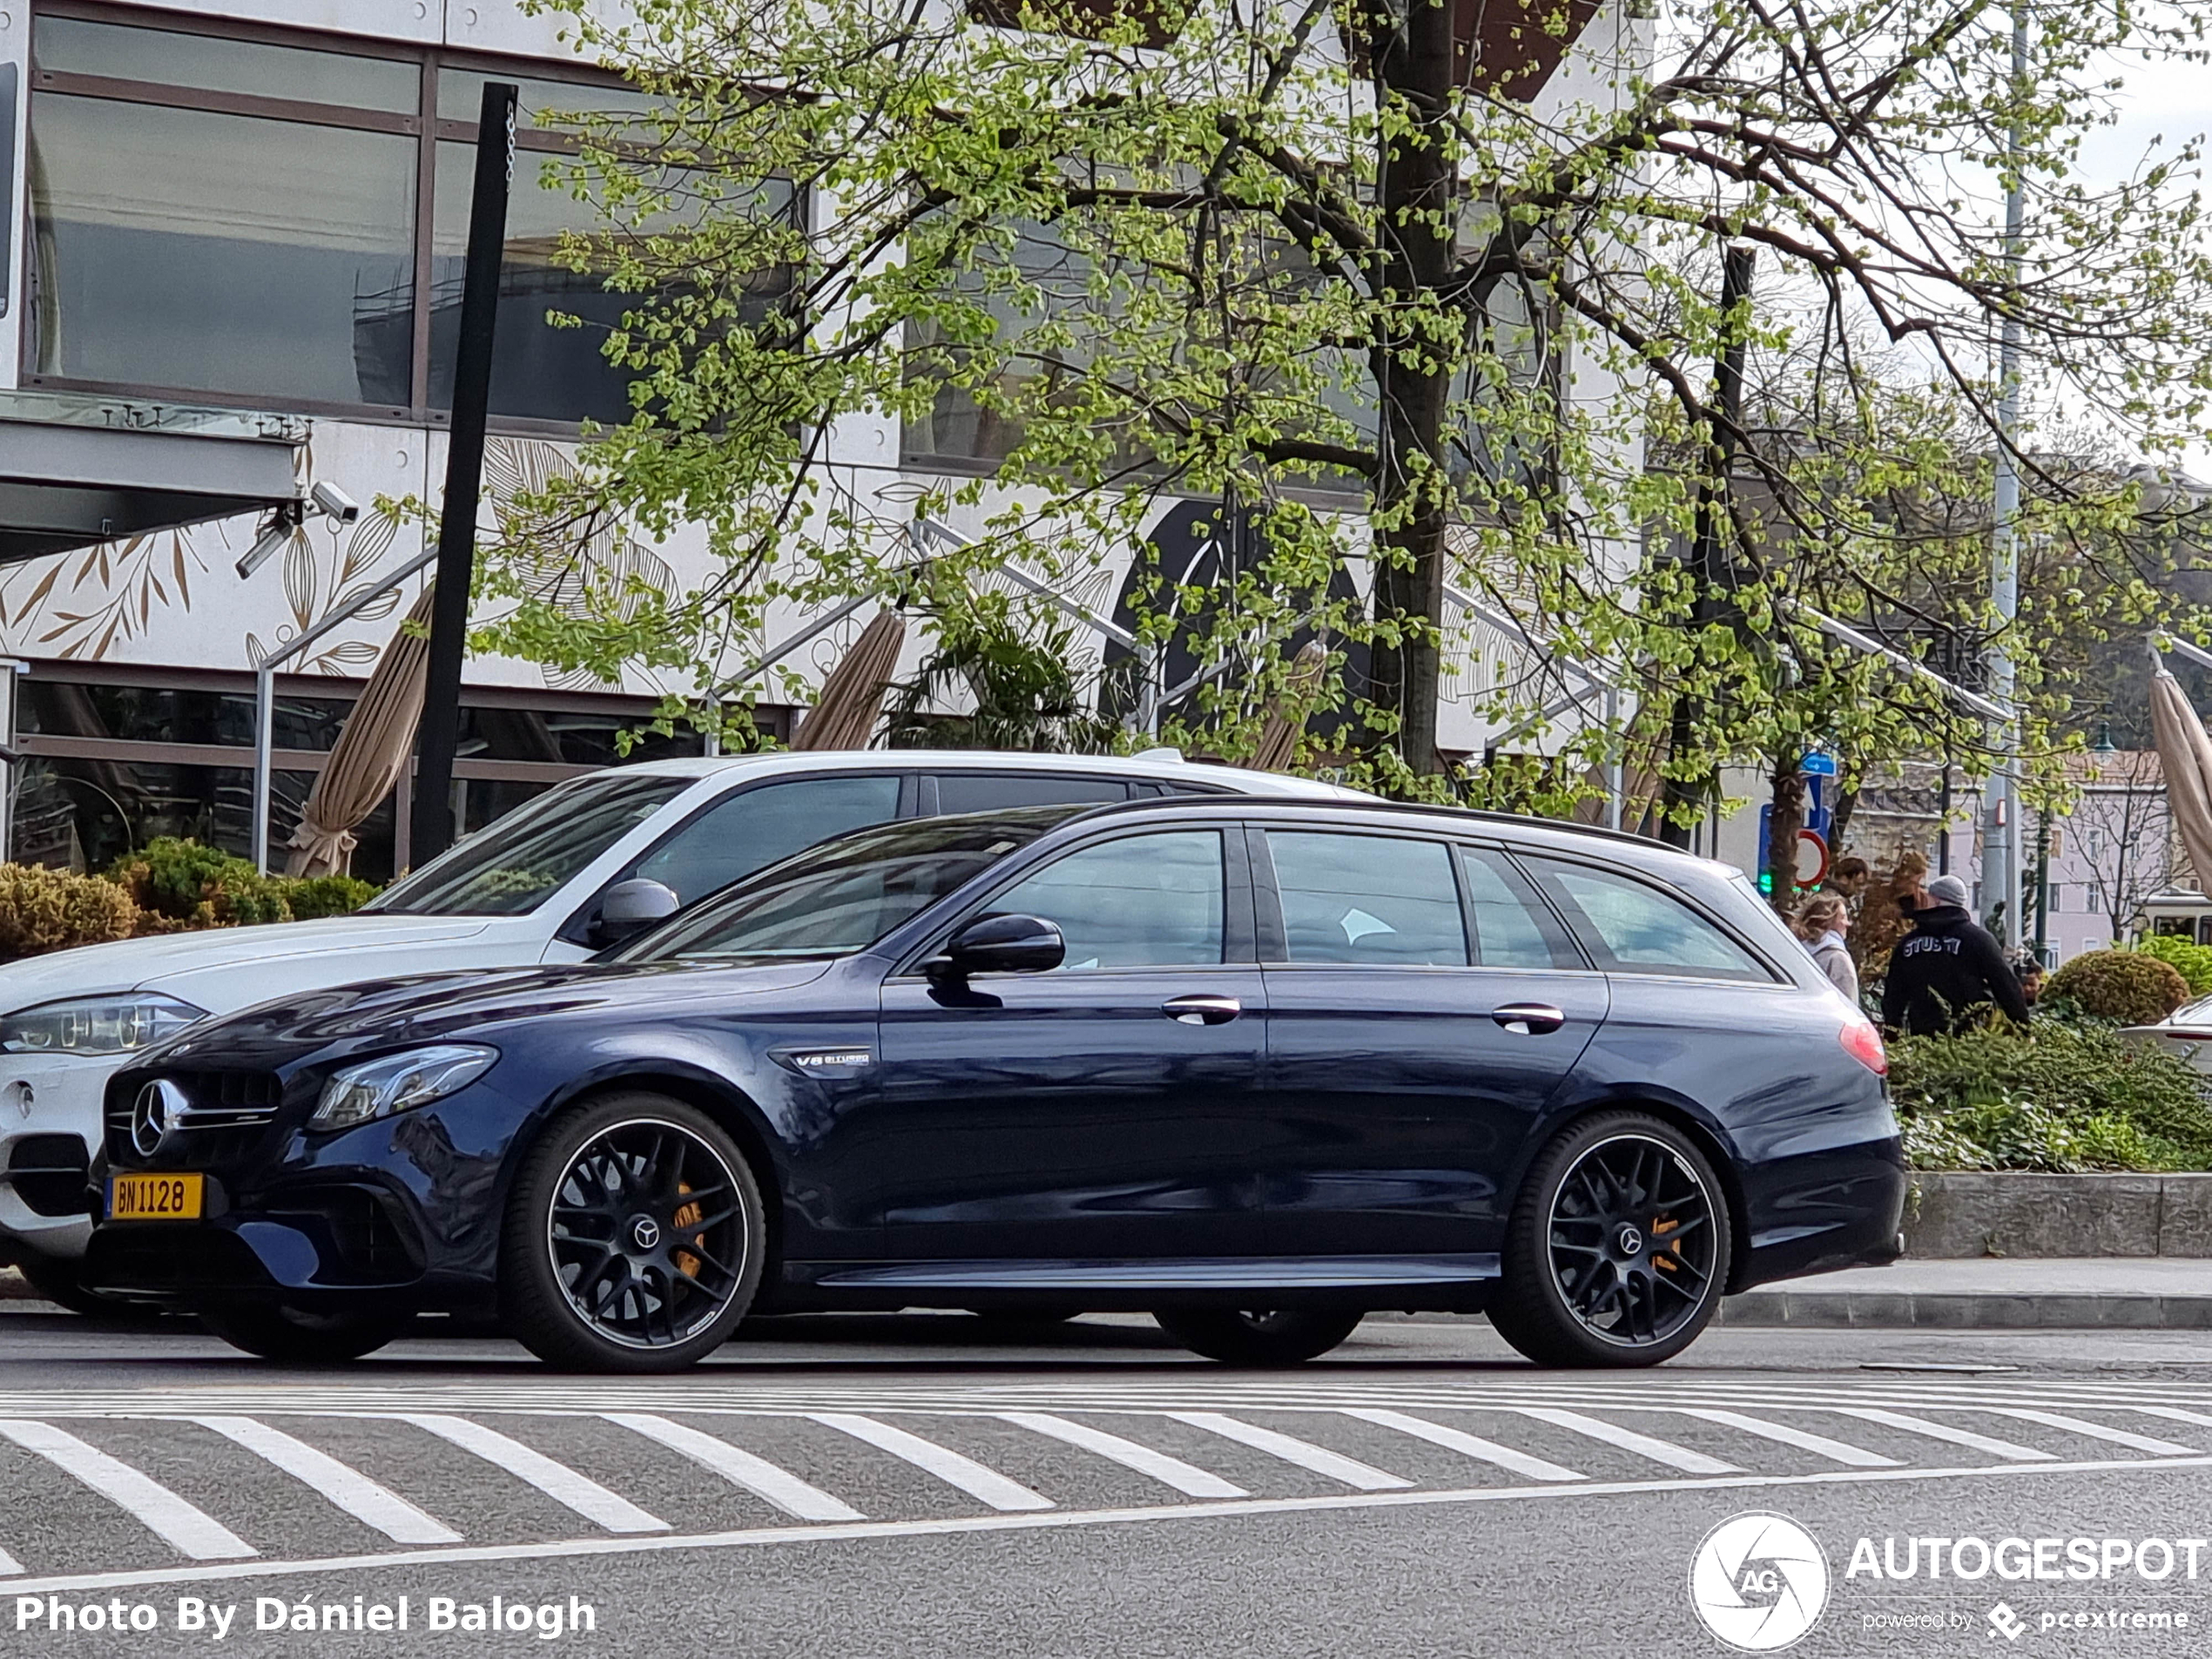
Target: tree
[[2124, 833], [1340, 268]]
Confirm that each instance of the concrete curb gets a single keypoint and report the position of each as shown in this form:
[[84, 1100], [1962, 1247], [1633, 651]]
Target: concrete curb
[[1942, 1310], [1963, 1214]]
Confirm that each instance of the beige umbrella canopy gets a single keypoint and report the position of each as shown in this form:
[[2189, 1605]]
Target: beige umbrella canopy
[[2185, 756], [1278, 737], [851, 701], [372, 750]]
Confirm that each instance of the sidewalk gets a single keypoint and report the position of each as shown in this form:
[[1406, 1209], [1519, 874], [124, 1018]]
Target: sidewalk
[[2010, 1293]]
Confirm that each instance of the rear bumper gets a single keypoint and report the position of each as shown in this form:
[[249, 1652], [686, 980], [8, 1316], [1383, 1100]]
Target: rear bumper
[[1821, 1212]]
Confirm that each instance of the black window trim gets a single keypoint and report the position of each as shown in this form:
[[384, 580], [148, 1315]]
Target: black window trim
[[933, 776], [1592, 943]]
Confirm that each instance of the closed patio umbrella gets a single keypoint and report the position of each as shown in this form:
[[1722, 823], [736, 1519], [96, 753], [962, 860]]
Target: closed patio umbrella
[[2185, 756], [851, 701], [372, 749], [1278, 737]]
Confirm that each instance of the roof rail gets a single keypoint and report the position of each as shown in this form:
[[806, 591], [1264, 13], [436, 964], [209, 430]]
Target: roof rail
[[1408, 807]]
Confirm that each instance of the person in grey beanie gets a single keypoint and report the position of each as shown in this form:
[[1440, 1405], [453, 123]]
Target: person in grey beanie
[[1947, 970]]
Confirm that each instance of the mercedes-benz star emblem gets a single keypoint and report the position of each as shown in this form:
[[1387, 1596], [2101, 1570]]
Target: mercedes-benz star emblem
[[646, 1231], [158, 1106]]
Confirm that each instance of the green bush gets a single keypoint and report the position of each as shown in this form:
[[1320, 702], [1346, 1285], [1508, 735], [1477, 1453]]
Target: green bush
[[2192, 961], [2058, 1097], [2123, 985], [43, 910], [200, 887], [314, 896]]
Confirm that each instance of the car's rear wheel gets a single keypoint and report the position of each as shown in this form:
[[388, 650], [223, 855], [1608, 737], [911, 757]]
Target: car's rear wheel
[[299, 1338], [1284, 1336], [1617, 1248], [634, 1237]]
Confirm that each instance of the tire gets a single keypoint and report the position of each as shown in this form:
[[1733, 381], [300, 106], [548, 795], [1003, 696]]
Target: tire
[[633, 1240], [1286, 1337], [299, 1338], [62, 1283], [1617, 1248]]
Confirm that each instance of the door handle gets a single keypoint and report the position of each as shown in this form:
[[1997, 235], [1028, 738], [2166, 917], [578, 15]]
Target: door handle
[[1202, 1010], [1530, 1019]]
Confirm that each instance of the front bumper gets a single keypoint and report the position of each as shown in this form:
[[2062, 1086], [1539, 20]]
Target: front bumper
[[49, 1126]]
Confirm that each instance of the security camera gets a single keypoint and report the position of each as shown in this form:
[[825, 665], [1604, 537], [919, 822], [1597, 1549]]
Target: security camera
[[333, 502]]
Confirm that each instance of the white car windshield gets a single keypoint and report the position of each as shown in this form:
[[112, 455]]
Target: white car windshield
[[514, 864]]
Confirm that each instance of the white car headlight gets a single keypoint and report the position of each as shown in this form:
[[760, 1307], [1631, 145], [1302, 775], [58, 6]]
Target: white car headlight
[[398, 1081], [122, 1023]]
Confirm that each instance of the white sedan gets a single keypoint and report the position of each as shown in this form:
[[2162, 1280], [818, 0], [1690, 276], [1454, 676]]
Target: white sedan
[[561, 875], [2186, 1034]]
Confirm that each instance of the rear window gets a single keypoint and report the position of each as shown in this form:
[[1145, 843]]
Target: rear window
[[1629, 927], [992, 792]]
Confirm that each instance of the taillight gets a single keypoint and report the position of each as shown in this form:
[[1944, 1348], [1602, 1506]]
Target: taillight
[[1864, 1043]]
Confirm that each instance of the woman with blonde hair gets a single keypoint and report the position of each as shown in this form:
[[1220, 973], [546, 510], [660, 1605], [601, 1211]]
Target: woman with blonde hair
[[1822, 922]]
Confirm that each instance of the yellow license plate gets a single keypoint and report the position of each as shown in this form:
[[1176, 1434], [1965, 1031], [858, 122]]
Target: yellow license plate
[[155, 1197]]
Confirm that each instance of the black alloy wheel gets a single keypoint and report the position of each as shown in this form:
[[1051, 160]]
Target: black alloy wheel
[[296, 1336], [1286, 1337], [634, 1237], [1617, 1249]]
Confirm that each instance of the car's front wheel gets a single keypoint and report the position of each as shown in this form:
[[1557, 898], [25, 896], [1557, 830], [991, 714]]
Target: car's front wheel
[[1617, 1248], [633, 1239], [299, 1338], [1284, 1337]]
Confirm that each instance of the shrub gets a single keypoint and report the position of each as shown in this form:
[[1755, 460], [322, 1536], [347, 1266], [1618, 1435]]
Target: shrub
[[2123, 985], [2192, 961], [314, 896], [200, 886], [43, 910], [2058, 1097]]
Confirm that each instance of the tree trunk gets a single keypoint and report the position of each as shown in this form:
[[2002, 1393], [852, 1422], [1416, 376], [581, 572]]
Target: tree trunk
[[1784, 819]]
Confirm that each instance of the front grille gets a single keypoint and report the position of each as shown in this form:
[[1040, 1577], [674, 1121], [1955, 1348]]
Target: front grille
[[228, 1112]]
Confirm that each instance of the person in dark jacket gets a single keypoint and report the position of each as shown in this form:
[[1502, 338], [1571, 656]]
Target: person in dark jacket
[[1946, 971]]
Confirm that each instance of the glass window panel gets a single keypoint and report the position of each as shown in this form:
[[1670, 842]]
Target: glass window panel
[[460, 97], [210, 64], [1368, 899], [162, 714], [1143, 901], [1629, 927], [221, 254], [80, 814], [1511, 928], [985, 791], [750, 831], [567, 736]]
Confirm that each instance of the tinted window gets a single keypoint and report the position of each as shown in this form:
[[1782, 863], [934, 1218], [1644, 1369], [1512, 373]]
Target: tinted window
[[1141, 901], [1629, 927], [521, 860], [1368, 899], [1512, 928], [750, 831], [991, 792]]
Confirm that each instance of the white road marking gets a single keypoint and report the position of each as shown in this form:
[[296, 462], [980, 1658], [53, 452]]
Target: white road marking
[[1804, 1440], [7, 1564], [1965, 1437], [557, 1480], [757, 1475], [1186, 1478], [190, 1531], [586, 1548], [1666, 1452], [348, 1488], [1473, 1446], [1317, 1458], [2173, 1414], [2092, 1431], [987, 1486]]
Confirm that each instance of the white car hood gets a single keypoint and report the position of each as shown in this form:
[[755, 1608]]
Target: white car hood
[[222, 968]]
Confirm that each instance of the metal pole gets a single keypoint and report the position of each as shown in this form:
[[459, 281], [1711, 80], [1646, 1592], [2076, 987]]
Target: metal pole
[[433, 827], [2042, 884], [11, 669], [2001, 873], [1613, 780], [1943, 824]]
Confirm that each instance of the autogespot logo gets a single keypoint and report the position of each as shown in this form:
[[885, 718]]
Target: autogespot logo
[[1758, 1582]]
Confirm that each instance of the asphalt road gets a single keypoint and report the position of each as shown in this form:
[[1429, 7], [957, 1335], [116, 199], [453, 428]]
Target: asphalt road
[[931, 1486]]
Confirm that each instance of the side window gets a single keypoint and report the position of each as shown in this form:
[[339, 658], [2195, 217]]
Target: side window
[[1367, 899], [992, 792], [1141, 901], [751, 830], [1630, 929], [1512, 928]]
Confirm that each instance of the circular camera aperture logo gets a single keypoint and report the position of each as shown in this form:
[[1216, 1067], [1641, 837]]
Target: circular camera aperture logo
[[1758, 1582]]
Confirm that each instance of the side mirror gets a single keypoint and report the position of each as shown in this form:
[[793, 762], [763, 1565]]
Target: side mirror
[[631, 907], [1001, 945]]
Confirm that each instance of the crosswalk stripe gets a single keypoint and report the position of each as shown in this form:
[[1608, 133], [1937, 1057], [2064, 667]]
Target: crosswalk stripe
[[557, 1480], [1965, 1437], [2173, 1414], [352, 1491], [1804, 1439], [1185, 1477], [2092, 1431], [190, 1531], [987, 1486], [1317, 1458], [1666, 1452], [757, 1475], [1472, 1445]]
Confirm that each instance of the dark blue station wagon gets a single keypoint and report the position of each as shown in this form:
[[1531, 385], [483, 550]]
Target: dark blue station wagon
[[1257, 1068]]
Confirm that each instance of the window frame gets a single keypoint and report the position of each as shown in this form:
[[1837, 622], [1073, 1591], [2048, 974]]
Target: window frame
[[425, 127], [1591, 942]]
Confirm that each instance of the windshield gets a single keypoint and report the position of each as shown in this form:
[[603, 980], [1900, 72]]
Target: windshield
[[515, 863], [843, 895]]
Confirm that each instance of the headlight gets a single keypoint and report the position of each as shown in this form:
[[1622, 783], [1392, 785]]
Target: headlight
[[379, 1088], [123, 1023]]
